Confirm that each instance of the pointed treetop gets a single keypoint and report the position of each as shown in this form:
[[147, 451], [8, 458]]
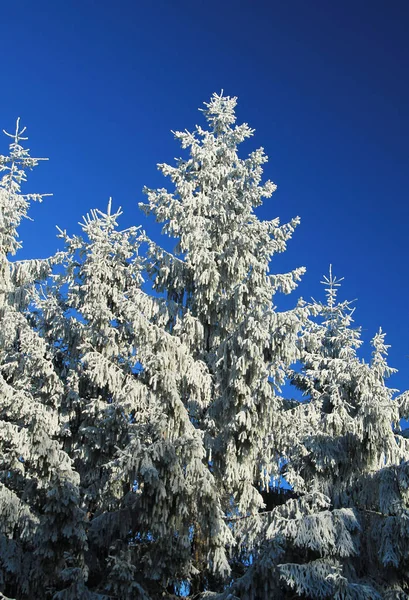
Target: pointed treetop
[[106, 220], [18, 135], [220, 112], [14, 204], [332, 284], [341, 338]]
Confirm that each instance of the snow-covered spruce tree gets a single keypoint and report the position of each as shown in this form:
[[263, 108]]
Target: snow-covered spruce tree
[[41, 526], [131, 392], [218, 279], [351, 460]]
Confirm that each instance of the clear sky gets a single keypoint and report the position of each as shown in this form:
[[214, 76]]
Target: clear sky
[[325, 84]]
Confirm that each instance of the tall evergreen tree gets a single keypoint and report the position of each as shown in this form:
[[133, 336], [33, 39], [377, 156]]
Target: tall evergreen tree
[[145, 482], [349, 453], [219, 280], [41, 526]]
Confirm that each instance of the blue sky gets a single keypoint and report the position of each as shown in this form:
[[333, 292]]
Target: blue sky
[[101, 84]]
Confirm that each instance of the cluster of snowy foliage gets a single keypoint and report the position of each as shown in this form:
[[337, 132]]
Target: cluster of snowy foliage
[[146, 448]]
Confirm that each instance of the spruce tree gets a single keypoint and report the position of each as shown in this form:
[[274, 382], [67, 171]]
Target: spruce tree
[[41, 530], [219, 280], [145, 482], [351, 456]]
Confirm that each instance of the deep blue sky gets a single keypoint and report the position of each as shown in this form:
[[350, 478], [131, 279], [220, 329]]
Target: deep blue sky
[[100, 85]]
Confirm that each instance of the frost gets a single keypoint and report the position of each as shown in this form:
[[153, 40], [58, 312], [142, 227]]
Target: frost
[[146, 448]]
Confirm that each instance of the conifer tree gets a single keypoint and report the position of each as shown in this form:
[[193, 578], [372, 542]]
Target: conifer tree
[[220, 283], [41, 526], [144, 480], [350, 454]]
